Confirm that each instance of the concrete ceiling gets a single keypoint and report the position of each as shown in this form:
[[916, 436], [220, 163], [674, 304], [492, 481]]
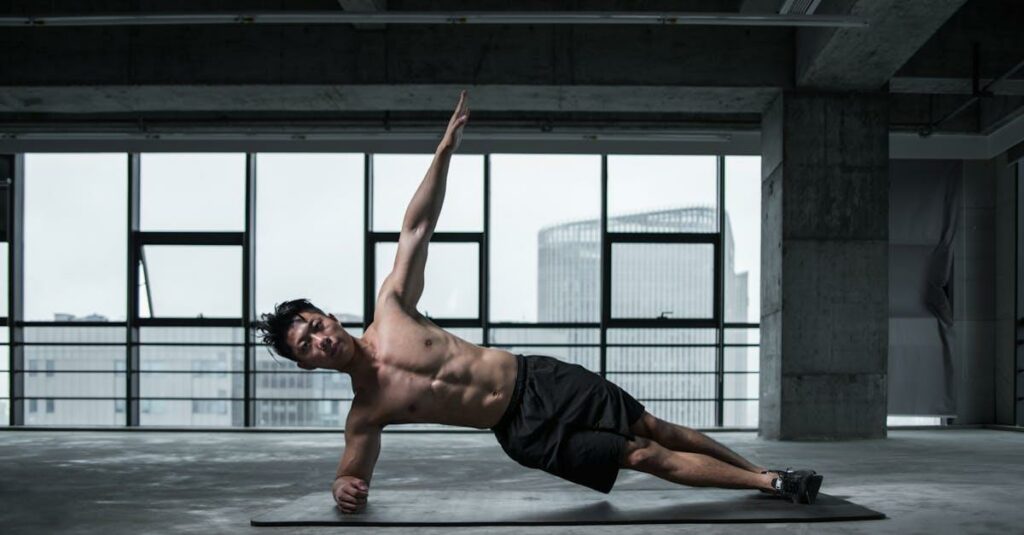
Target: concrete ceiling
[[923, 52]]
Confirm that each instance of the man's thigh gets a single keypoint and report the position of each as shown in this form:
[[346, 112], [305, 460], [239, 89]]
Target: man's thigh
[[590, 457], [645, 426]]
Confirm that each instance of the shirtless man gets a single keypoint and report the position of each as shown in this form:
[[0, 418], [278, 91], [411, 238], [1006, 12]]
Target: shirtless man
[[546, 414]]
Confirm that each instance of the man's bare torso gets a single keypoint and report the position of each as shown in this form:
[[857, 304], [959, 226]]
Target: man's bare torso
[[424, 374]]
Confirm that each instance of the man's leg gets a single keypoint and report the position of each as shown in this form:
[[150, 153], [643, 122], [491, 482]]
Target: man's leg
[[693, 469], [683, 439]]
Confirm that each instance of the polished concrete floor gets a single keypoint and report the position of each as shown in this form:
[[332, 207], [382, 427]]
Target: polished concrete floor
[[931, 481]]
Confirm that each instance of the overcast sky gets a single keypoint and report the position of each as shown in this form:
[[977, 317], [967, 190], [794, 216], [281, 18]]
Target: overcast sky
[[310, 224]]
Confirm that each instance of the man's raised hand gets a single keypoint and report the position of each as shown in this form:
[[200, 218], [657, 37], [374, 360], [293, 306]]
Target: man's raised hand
[[350, 493], [453, 135]]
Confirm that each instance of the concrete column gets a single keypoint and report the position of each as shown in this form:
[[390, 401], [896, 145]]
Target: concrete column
[[824, 266]]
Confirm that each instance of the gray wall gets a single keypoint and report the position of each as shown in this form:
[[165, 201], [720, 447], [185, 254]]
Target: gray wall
[[1004, 217], [974, 294], [984, 289]]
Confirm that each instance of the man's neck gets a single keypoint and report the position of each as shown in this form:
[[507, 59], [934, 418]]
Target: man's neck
[[362, 366]]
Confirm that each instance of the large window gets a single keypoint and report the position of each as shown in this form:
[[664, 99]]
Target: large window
[[202, 192], [188, 369], [142, 271], [451, 278], [545, 238], [396, 177], [75, 236], [309, 231]]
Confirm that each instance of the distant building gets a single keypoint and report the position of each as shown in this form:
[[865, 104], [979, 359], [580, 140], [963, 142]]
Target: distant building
[[648, 280], [199, 383]]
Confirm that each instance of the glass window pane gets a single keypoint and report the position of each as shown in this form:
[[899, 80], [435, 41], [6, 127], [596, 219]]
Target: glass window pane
[[739, 414], [742, 268], [192, 192], [742, 359], [743, 336], [662, 193], [5, 392], [196, 384], [4, 248], [704, 337], [667, 385], [452, 278], [661, 359], [185, 412], [588, 357], [61, 383], [545, 249], [77, 412], [663, 280], [185, 281], [75, 235], [191, 335], [74, 371], [472, 335], [741, 386], [74, 335], [912, 420], [301, 413], [688, 413], [294, 383], [319, 255], [220, 361], [396, 177], [509, 336]]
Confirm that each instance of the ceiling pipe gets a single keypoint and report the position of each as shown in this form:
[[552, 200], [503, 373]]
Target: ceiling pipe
[[931, 128], [455, 17]]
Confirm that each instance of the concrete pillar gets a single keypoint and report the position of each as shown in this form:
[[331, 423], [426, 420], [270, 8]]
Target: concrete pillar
[[824, 266]]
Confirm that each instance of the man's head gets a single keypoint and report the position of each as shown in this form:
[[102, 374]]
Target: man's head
[[300, 331]]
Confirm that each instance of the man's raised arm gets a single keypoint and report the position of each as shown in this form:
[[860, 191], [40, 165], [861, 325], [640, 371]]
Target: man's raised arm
[[406, 278], [351, 486]]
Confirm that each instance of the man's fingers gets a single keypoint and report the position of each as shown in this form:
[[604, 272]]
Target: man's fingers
[[350, 502], [460, 108]]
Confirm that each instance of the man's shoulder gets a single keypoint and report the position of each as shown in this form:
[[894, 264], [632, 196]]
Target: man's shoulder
[[361, 417], [392, 311]]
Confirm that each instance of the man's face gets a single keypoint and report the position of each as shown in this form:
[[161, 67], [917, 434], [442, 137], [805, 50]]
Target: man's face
[[319, 341]]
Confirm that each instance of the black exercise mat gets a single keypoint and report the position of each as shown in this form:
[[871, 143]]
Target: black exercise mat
[[515, 508]]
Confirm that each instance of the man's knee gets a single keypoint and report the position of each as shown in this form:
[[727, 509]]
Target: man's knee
[[641, 454], [645, 426]]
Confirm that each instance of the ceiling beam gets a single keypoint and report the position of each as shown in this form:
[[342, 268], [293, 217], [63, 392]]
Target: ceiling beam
[[866, 58], [365, 6], [378, 97], [617, 18], [953, 86]]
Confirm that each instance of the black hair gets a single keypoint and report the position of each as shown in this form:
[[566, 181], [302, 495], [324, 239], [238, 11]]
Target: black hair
[[274, 325]]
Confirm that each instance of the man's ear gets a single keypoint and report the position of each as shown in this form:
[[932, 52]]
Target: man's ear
[[305, 366]]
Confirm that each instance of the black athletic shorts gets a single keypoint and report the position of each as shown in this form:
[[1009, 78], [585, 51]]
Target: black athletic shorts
[[568, 421]]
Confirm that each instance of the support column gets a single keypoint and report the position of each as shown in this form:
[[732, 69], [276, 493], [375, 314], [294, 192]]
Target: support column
[[824, 266]]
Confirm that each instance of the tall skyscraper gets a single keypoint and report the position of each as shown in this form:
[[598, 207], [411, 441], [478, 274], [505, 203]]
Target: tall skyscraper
[[648, 280]]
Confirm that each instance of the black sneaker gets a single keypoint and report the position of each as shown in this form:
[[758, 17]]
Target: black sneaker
[[798, 486]]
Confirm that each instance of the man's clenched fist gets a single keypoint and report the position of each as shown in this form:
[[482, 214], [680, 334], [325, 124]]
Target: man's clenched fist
[[350, 493]]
